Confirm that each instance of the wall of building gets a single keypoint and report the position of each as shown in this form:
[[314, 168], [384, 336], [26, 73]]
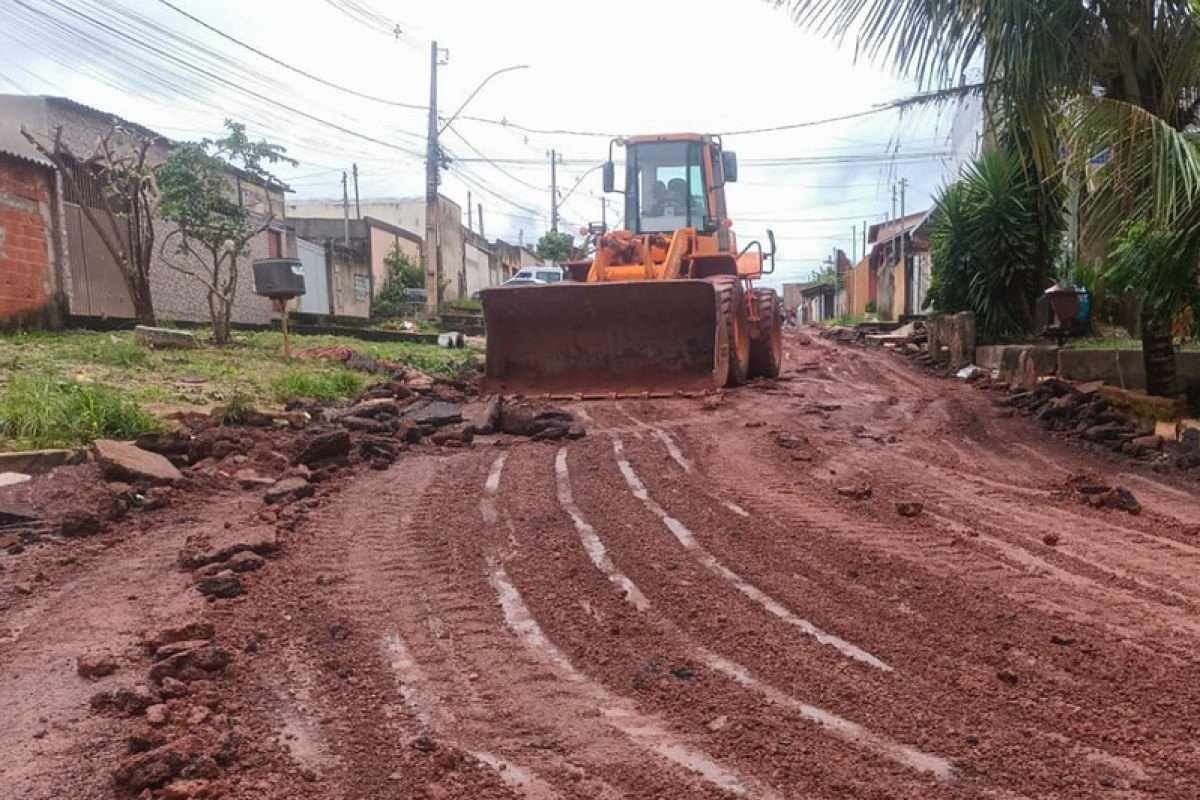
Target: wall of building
[[382, 243], [176, 295], [792, 299], [28, 276], [407, 213], [476, 269], [861, 295], [350, 271]]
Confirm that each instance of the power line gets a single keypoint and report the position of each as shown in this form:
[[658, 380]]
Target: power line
[[287, 66], [212, 76]]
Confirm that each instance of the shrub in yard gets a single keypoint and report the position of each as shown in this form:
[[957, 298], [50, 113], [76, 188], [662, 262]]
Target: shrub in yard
[[402, 274], [992, 246], [47, 411], [306, 384]]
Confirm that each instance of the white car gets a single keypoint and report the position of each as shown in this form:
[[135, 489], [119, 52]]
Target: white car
[[536, 276]]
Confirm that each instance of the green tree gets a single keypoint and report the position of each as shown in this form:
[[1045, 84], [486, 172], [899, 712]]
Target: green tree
[[1084, 82], [118, 179], [826, 276], [202, 190], [555, 246], [988, 249], [402, 273], [1159, 268]]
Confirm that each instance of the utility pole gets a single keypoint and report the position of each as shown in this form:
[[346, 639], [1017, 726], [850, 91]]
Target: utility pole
[[903, 257], [854, 244], [357, 208], [554, 191], [481, 233], [865, 236], [470, 213], [431, 251], [604, 212], [345, 210]]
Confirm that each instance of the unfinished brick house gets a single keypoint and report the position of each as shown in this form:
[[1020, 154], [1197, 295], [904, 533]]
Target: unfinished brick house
[[89, 282], [30, 253]]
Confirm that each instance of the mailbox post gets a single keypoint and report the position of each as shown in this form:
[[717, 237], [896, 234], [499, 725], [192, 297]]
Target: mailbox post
[[282, 280]]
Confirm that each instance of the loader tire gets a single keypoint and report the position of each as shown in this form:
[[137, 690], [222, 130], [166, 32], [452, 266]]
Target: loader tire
[[766, 346], [737, 328]]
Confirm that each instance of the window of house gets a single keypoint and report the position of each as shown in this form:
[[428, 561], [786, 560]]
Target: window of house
[[362, 288], [274, 244]]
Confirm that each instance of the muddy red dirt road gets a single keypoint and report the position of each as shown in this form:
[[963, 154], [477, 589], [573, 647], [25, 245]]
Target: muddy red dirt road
[[683, 604]]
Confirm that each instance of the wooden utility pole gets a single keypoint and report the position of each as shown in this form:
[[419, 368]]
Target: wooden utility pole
[[345, 210], [481, 233], [604, 212], [431, 252], [357, 208], [470, 213], [903, 257], [554, 191]]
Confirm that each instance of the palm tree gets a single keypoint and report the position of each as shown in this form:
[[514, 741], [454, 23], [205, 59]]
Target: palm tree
[[1107, 91]]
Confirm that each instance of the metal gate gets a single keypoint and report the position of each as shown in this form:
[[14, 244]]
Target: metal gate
[[98, 288]]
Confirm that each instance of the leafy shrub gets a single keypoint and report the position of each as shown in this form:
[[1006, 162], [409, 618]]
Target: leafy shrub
[[991, 247], [466, 304], [299, 384], [402, 274], [45, 411]]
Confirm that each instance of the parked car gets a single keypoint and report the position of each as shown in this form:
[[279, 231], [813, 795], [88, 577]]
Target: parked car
[[536, 275]]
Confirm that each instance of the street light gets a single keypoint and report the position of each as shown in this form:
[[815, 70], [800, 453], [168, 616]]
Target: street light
[[431, 253], [471, 96]]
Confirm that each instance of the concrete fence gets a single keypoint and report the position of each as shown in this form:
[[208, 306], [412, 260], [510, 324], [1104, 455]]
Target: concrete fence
[[1124, 368]]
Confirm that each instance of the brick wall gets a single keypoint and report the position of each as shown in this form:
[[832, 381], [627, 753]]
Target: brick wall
[[26, 270]]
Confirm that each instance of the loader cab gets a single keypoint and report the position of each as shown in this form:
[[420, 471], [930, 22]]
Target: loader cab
[[674, 182]]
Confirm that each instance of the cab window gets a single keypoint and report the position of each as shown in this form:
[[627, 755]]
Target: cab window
[[550, 276], [667, 187]]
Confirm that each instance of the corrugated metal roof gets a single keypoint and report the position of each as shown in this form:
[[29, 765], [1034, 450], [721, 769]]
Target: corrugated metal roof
[[892, 229], [19, 111], [107, 115]]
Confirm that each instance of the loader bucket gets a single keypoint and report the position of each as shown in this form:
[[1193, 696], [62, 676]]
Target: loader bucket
[[603, 338]]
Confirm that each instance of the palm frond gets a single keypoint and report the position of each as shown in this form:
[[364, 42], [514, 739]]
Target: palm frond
[[1136, 164]]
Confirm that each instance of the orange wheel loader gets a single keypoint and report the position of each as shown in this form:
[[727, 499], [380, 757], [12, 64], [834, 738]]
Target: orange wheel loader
[[665, 305]]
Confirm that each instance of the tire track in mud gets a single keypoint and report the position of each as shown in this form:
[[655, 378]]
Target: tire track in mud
[[459, 673], [1047, 725], [596, 744], [840, 727], [688, 541], [645, 731], [1090, 558], [362, 743], [752, 729]]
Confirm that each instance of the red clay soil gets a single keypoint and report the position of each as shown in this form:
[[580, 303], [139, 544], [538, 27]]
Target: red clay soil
[[836, 585]]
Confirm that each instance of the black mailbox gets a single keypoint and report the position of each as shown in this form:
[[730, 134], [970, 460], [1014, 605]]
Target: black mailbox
[[278, 278]]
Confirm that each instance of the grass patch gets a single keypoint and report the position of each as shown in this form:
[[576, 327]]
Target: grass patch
[[299, 384], [42, 410], [253, 366]]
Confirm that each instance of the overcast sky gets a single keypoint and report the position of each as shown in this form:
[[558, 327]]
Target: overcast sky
[[620, 66]]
